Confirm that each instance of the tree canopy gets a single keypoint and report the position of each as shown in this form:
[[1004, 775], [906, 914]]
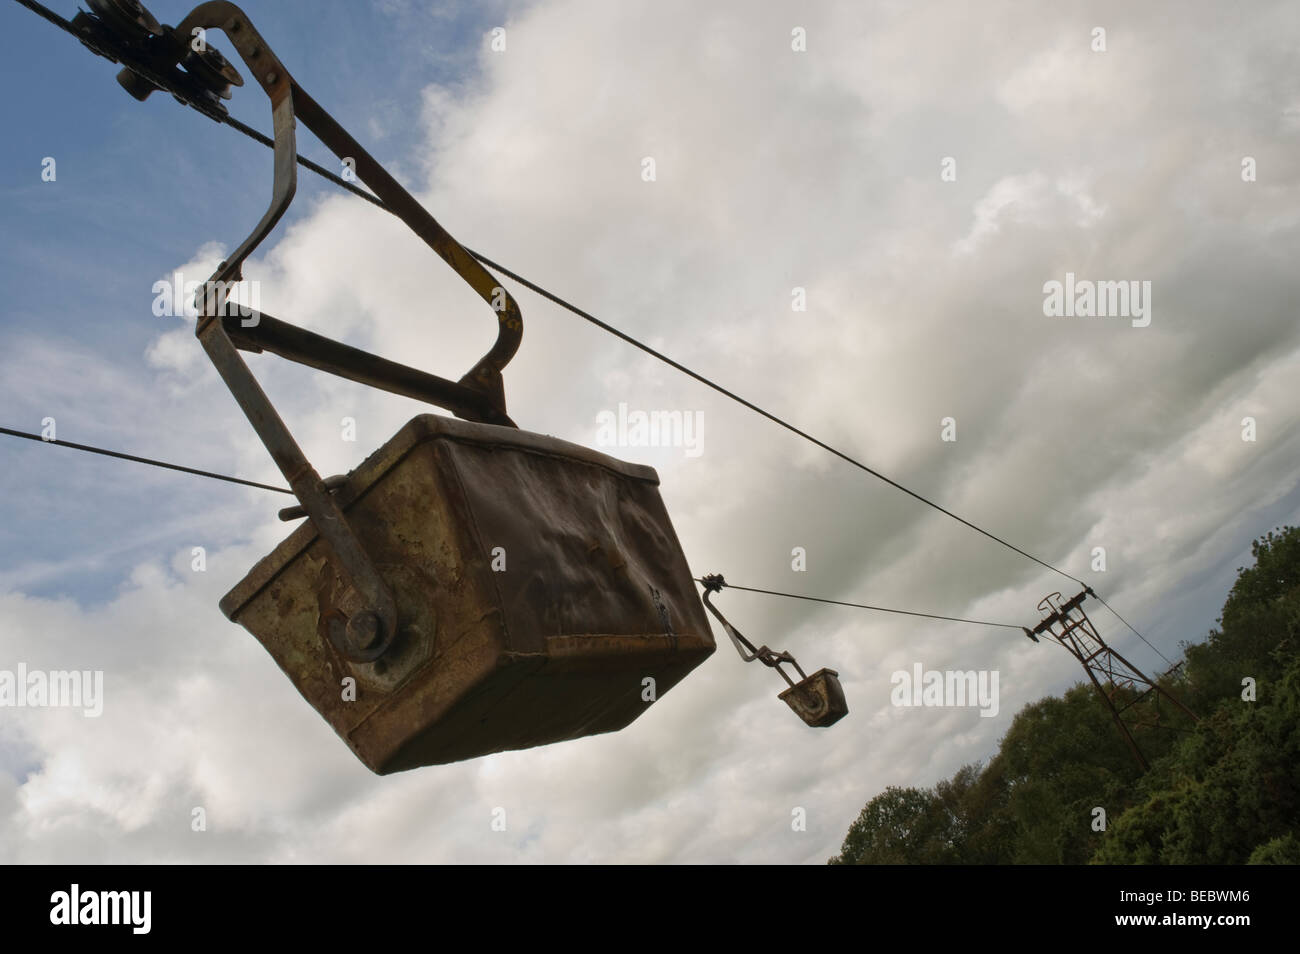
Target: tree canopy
[[1225, 790]]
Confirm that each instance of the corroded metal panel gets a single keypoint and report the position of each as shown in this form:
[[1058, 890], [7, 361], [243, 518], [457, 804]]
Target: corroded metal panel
[[538, 584], [818, 699]]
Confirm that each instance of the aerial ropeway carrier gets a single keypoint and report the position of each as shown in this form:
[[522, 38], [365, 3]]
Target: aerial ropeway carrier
[[470, 587]]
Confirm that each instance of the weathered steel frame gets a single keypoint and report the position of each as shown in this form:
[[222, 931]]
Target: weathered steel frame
[[478, 396], [768, 657], [1080, 637]]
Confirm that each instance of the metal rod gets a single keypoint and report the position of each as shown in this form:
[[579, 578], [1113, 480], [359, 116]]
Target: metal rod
[[260, 332]]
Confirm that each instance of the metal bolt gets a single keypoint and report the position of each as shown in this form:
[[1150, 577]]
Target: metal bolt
[[364, 629], [271, 78]]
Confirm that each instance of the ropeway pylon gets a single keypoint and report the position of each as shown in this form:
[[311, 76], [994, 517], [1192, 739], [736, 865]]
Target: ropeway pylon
[[1068, 623]]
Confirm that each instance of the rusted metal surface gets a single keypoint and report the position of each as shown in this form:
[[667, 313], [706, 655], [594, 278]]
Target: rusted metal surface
[[486, 374], [366, 592], [365, 623], [258, 332], [590, 597], [1067, 622], [817, 699], [388, 609]]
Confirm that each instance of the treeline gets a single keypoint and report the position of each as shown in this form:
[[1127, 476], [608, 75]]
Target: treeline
[[1224, 791]]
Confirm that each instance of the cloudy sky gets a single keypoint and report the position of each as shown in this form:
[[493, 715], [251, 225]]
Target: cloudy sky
[[775, 169]]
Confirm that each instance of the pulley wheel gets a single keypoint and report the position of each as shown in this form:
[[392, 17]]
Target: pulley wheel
[[212, 71], [127, 17]]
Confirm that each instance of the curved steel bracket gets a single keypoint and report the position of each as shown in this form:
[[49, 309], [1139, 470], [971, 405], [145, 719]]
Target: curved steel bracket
[[817, 699], [768, 657], [289, 102]]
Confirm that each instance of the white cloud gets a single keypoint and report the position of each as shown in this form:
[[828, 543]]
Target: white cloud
[[777, 169]]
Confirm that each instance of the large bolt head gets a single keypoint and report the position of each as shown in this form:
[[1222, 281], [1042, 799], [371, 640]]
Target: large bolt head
[[364, 630]]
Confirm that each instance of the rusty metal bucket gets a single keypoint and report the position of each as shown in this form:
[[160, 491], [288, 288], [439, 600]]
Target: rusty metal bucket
[[818, 699], [538, 584], [470, 588]]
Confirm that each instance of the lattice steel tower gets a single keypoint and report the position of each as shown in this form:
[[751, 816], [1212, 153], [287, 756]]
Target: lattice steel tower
[[1068, 624]]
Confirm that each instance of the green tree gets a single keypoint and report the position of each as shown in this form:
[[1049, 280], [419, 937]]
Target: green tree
[[1225, 790], [1231, 789], [1279, 851], [911, 825]]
